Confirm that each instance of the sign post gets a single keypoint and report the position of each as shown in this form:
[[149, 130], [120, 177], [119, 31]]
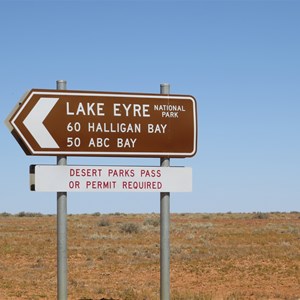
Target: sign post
[[165, 227], [62, 264], [65, 123]]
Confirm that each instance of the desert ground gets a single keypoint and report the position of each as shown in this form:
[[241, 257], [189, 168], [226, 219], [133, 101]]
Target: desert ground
[[117, 256]]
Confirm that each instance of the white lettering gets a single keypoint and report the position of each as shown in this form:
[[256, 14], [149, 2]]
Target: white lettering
[[157, 128], [129, 110], [99, 142], [126, 143], [69, 113], [86, 108], [117, 109], [114, 127], [169, 107], [169, 114]]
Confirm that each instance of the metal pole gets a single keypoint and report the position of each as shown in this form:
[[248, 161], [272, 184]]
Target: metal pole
[[62, 267], [164, 227]]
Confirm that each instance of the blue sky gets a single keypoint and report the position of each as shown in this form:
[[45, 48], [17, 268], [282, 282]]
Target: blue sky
[[239, 59]]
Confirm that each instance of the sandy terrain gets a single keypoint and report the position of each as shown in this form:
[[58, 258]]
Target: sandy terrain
[[116, 256]]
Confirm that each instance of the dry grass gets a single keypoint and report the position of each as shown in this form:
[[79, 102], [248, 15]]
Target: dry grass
[[213, 256]]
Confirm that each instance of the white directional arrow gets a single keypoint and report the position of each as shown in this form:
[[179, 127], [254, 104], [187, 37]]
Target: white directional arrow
[[34, 122]]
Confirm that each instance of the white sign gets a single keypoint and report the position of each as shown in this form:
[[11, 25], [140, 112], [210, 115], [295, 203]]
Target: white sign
[[53, 178]]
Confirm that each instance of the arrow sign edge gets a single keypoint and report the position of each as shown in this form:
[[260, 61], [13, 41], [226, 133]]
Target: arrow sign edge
[[34, 122]]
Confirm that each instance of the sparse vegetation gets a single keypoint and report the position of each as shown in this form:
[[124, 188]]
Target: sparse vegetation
[[5, 214], [129, 228], [154, 221], [260, 215], [116, 256], [104, 222], [96, 214], [29, 214]]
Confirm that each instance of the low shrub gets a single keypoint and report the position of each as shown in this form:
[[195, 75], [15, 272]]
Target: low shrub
[[260, 215], [28, 214], [104, 222], [129, 228], [5, 214], [152, 221]]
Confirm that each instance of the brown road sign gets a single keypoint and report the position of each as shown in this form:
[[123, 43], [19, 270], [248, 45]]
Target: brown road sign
[[83, 123]]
